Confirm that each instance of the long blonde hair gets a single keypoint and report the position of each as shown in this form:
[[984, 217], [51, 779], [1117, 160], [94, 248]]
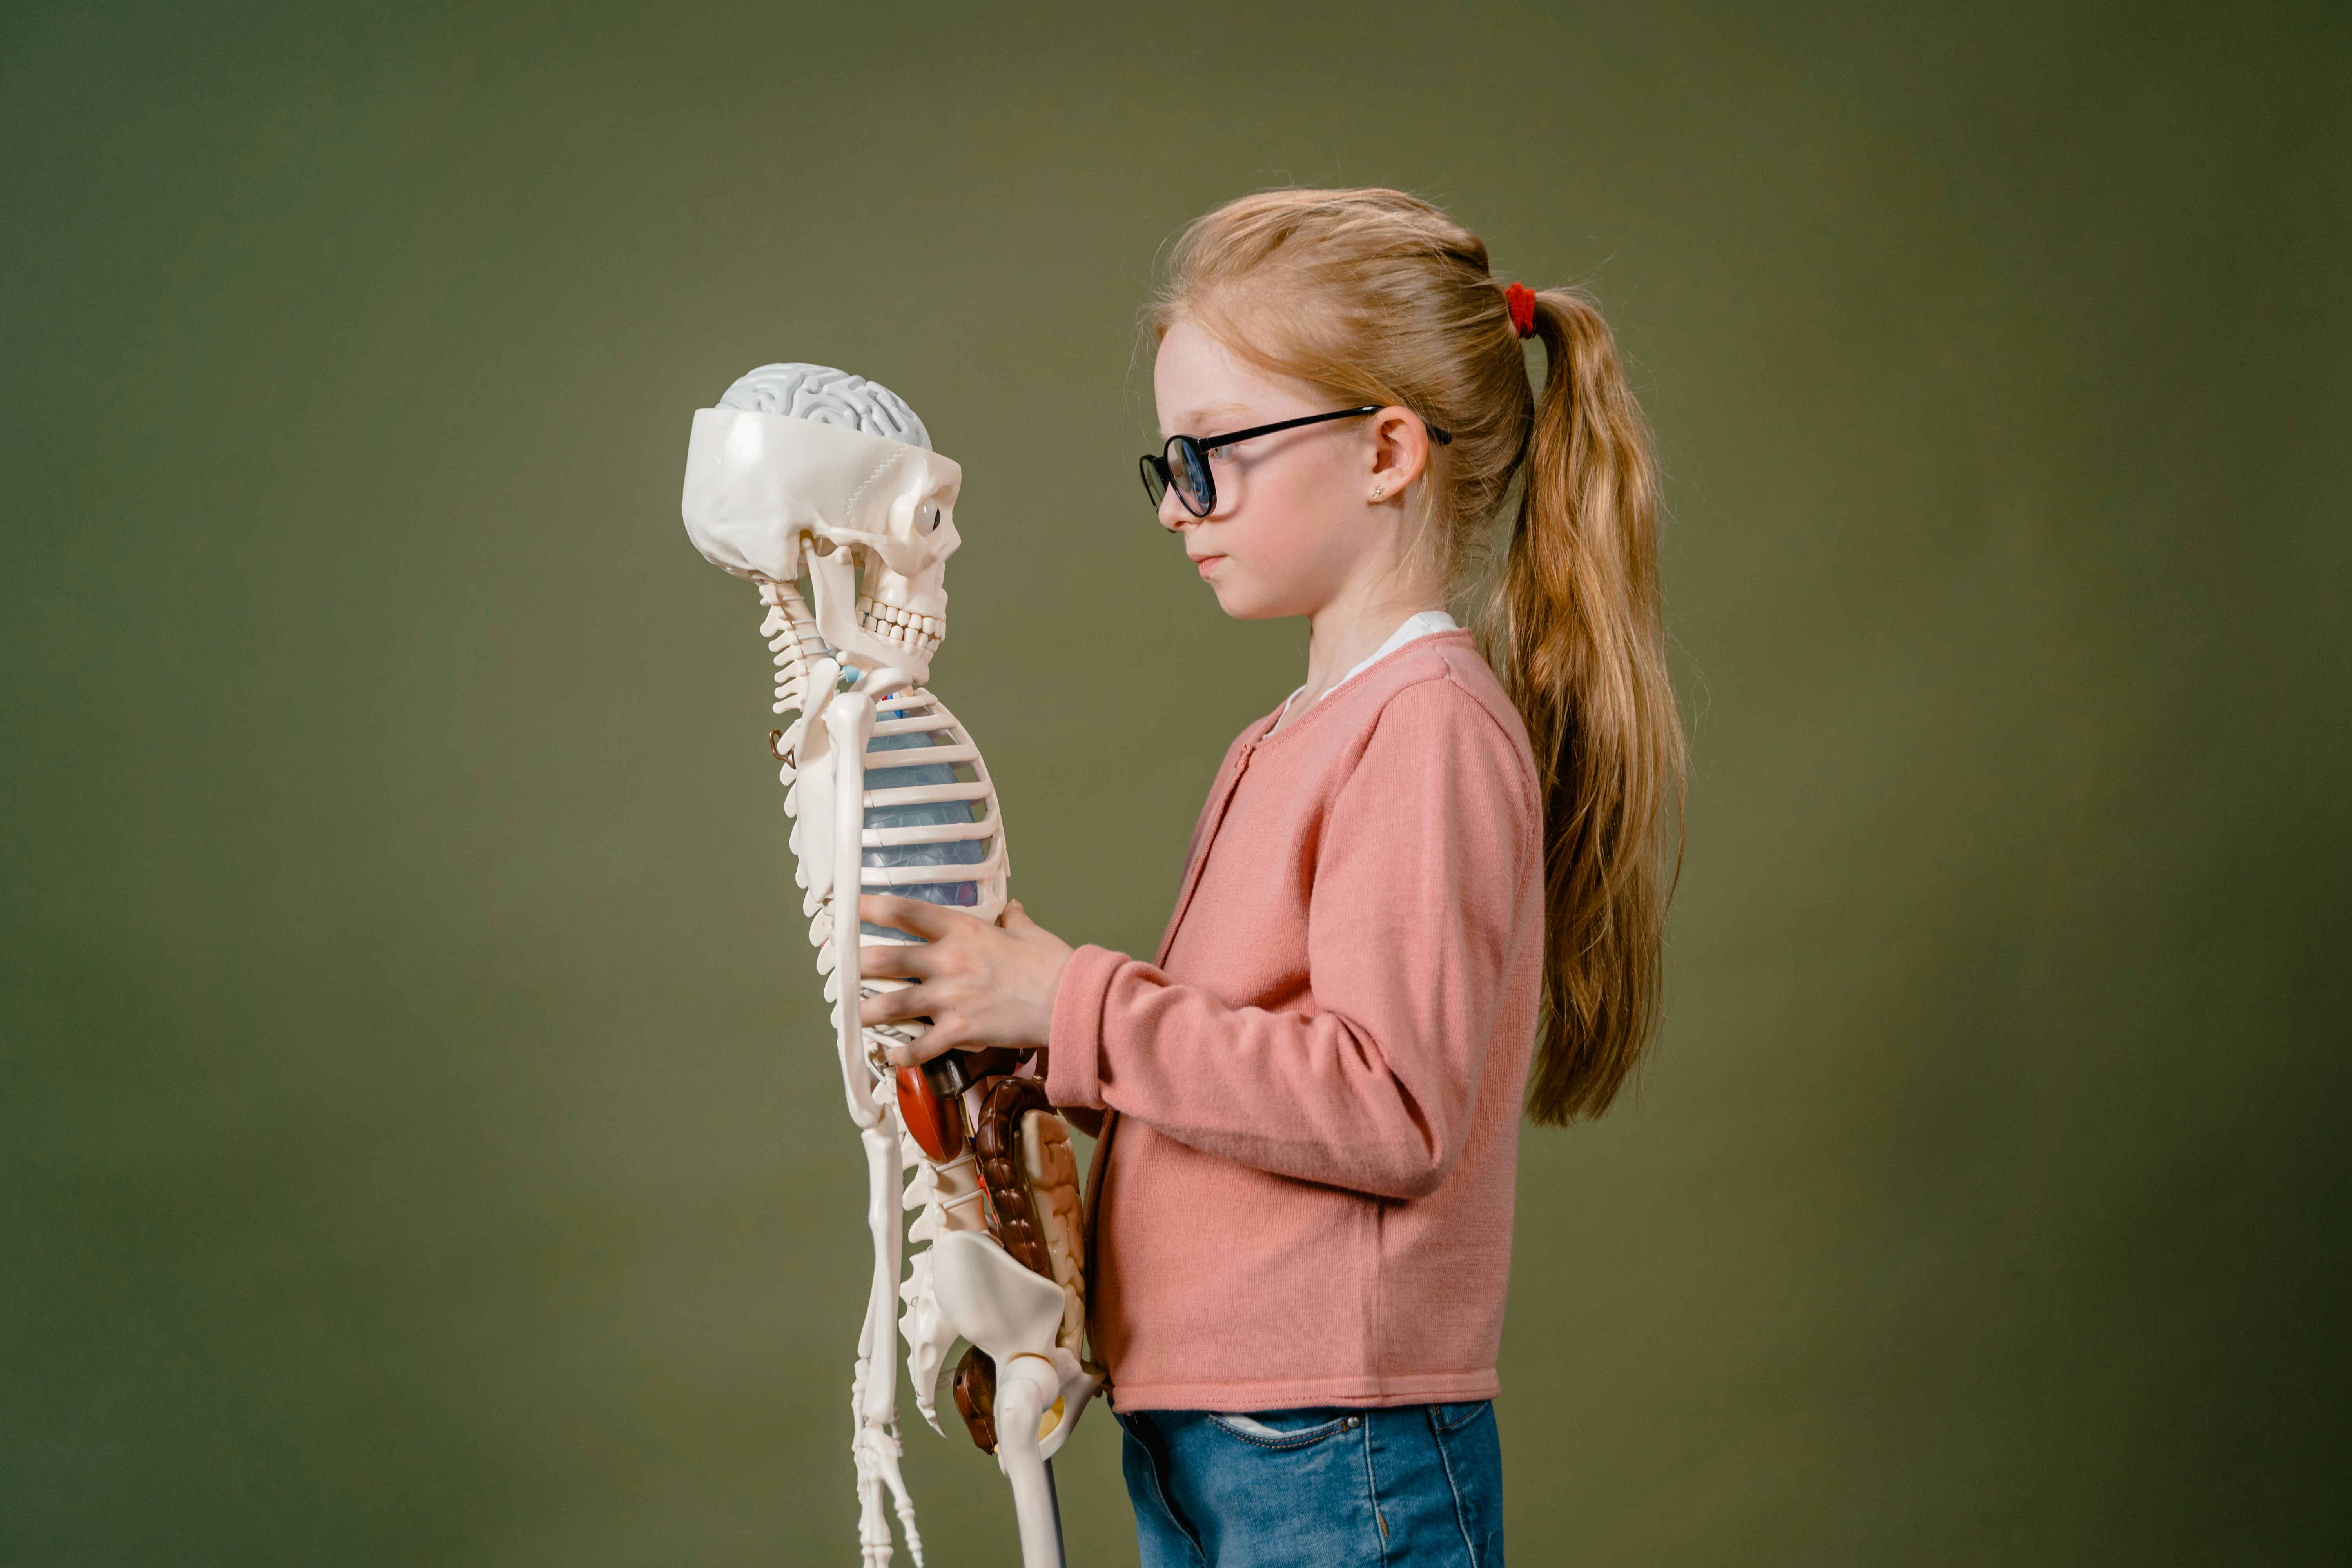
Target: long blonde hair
[[1374, 296]]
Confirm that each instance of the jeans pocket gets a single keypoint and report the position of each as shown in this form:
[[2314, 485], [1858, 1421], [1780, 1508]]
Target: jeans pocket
[[1285, 1431], [1454, 1417]]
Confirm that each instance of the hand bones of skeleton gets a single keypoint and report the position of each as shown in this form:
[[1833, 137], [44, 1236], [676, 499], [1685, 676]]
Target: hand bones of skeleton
[[803, 469]]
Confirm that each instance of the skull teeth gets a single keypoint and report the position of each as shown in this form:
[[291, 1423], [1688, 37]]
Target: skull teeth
[[916, 633]]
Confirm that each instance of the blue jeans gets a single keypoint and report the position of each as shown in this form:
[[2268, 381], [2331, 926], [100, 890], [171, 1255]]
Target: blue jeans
[[1402, 1486]]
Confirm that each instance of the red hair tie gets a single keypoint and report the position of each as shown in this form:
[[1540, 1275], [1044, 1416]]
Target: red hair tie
[[1522, 302]]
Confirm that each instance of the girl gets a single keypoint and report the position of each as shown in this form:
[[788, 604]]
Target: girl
[[1419, 866]]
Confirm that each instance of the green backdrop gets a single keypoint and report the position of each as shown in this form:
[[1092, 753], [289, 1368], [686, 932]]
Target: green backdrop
[[418, 1143]]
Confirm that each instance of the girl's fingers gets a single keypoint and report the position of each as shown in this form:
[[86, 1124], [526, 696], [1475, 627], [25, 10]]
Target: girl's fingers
[[891, 1006], [912, 916], [890, 961], [936, 1043]]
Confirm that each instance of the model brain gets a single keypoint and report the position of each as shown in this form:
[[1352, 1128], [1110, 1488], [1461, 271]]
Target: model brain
[[826, 397]]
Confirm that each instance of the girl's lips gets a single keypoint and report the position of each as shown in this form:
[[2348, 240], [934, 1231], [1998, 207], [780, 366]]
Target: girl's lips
[[1209, 562]]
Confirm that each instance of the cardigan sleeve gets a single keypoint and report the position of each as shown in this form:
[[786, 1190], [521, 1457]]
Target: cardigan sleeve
[[1411, 917]]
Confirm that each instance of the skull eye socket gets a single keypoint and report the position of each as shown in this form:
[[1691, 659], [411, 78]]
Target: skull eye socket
[[927, 517]]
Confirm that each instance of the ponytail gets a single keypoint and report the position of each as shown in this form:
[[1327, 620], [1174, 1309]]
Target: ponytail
[[1377, 297], [1581, 625]]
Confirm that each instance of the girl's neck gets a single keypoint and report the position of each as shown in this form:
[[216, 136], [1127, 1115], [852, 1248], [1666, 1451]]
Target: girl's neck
[[1350, 629]]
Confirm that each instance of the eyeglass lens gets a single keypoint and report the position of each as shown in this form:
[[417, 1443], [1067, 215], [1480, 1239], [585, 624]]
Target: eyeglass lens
[[1188, 466]]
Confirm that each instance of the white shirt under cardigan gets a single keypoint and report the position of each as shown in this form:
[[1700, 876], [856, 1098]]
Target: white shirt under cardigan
[[1427, 624]]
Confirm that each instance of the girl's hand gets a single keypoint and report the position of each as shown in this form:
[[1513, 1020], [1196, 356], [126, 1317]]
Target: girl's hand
[[979, 985]]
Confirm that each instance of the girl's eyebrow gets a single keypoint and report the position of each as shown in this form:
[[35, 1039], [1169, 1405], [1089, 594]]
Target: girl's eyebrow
[[1207, 420]]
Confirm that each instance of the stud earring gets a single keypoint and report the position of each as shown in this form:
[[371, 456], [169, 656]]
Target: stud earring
[[1378, 491]]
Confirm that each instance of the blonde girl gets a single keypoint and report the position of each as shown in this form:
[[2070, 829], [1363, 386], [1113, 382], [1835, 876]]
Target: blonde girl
[[1427, 890]]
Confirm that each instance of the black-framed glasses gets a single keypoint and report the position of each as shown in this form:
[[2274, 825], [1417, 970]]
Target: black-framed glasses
[[1182, 465]]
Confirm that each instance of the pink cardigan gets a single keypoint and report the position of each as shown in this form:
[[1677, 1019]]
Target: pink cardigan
[[1302, 1195]]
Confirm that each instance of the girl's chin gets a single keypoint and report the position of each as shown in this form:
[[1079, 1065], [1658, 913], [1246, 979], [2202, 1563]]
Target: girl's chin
[[1245, 596], [1241, 604]]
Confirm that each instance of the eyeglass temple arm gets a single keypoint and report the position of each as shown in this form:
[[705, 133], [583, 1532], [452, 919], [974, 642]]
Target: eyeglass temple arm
[[1209, 443]]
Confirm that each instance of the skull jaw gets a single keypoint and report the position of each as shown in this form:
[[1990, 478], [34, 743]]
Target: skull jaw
[[863, 630]]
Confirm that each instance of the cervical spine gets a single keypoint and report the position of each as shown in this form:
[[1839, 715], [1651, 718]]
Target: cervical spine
[[793, 638]]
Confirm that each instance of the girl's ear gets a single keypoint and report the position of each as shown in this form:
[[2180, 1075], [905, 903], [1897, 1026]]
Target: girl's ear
[[1399, 453]]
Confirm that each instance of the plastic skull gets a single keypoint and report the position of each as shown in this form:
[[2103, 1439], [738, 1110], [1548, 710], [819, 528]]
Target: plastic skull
[[802, 468]]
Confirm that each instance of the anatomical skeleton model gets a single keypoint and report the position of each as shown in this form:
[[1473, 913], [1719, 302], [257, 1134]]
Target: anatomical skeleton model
[[804, 470]]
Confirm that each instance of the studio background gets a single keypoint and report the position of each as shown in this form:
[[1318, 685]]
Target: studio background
[[419, 1138]]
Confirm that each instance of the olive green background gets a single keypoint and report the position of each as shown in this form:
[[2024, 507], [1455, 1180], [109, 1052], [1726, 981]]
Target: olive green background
[[418, 1142]]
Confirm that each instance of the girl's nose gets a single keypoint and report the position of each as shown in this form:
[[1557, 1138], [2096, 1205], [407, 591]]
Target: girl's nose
[[1173, 515]]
